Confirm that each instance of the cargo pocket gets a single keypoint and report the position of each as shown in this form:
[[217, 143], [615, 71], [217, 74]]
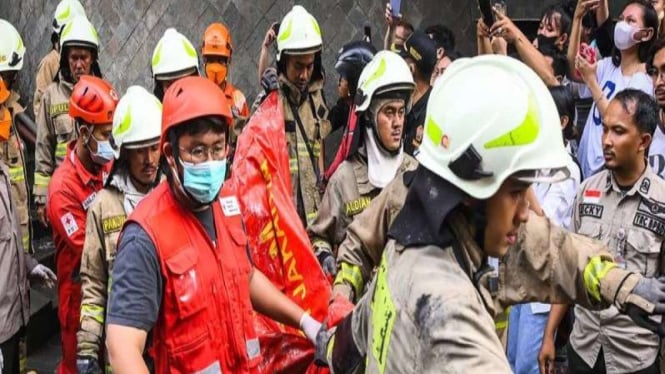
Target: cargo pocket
[[187, 283], [64, 132], [642, 252], [591, 230]]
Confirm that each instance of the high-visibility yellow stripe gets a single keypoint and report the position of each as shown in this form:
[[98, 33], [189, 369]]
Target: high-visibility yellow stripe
[[42, 180], [16, 174], [594, 272], [383, 317], [26, 241], [352, 275], [95, 312], [61, 150]]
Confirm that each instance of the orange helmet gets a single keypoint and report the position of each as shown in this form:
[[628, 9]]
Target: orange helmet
[[217, 41], [190, 98], [93, 101]]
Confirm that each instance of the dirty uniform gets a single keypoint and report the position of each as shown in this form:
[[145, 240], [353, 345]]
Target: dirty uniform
[[348, 193], [46, 72], [632, 224], [55, 129], [431, 306], [105, 219], [306, 124], [72, 192], [15, 265], [11, 153], [366, 237]]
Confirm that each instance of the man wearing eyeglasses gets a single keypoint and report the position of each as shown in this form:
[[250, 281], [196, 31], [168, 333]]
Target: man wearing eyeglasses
[[656, 69]]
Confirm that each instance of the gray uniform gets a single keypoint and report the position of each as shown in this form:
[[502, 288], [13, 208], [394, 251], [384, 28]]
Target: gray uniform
[[632, 224]]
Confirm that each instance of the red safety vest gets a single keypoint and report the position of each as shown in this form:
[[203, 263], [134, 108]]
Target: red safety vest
[[205, 320]]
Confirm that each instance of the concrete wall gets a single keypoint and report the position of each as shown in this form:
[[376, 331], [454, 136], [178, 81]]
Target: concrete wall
[[129, 29]]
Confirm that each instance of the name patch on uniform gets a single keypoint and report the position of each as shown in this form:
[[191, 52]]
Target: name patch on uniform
[[113, 224], [591, 210], [58, 109], [356, 206], [591, 196], [88, 200], [69, 224], [230, 206], [650, 222]]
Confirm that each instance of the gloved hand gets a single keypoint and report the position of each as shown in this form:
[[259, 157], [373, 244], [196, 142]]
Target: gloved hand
[[310, 327], [44, 275], [651, 290], [320, 355], [87, 365], [327, 261], [269, 80]]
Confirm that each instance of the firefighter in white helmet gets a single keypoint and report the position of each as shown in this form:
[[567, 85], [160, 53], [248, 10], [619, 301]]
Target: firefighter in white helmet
[[135, 138], [174, 57], [79, 49], [65, 11], [491, 129], [377, 154]]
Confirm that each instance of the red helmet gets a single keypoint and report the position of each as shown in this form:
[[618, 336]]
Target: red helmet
[[193, 97], [93, 101]]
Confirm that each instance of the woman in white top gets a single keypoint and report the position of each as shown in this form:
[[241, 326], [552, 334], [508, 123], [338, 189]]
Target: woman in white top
[[633, 37]]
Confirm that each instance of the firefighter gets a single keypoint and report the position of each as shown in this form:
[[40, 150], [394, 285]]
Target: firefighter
[[467, 203], [385, 88], [73, 189], [48, 67], [183, 272], [12, 52], [136, 130], [79, 46], [174, 57], [217, 51]]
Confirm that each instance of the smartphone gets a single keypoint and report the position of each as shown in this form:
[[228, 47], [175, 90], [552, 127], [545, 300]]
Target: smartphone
[[368, 34], [486, 11], [275, 28], [395, 5]]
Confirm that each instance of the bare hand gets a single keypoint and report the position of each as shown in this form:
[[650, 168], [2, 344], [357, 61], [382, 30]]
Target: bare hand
[[499, 46], [388, 16], [546, 356], [270, 36], [584, 6], [41, 215], [505, 28], [587, 70], [482, 31]]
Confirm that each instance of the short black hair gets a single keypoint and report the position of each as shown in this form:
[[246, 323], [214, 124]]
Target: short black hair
[[565, 20], [565, 105], [442, 35], [405, 24], [559, 59], [660, 44], [643, 107], [650, 20]]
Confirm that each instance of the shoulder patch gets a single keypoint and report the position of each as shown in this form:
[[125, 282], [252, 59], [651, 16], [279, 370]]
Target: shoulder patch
[[356, 206], [644, 187], [57, 109], [69, 224], [591, 196], [113, 224], [230, 206]]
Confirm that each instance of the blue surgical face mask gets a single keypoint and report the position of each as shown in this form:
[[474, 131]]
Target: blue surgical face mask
[[104, 153], [204, 180]]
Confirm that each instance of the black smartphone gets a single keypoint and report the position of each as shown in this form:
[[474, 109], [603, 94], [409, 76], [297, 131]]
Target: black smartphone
[[486, 11], [275, 28], [395, 5]]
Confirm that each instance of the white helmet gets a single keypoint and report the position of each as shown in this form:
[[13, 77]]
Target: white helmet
[[174, 56], [386, 72], [137, 120], [490, 118], [66, 11], [79, 33], [299, 33], [12, 48]]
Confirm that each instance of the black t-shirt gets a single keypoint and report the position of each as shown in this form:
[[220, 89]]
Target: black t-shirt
[[138, 285], [414, 124]]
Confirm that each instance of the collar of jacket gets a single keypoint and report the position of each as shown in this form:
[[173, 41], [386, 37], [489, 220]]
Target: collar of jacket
[[291, 92]]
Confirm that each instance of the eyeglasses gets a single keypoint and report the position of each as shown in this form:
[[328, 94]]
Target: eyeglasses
[[202, 153], [656, 73]]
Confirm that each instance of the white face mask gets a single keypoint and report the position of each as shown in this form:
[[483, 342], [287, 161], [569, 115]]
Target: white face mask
[[625, 35]]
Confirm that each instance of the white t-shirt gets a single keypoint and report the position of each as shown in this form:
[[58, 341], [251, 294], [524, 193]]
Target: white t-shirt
[[612, 81], [657, 153]]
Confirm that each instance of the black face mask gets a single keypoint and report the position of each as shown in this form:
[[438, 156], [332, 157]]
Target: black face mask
[[547, 42]]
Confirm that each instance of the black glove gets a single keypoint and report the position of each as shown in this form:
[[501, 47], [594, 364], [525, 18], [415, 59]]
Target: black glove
[[328, 263], [320, 358], [87, 365], [269, 80], [641, 318]]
